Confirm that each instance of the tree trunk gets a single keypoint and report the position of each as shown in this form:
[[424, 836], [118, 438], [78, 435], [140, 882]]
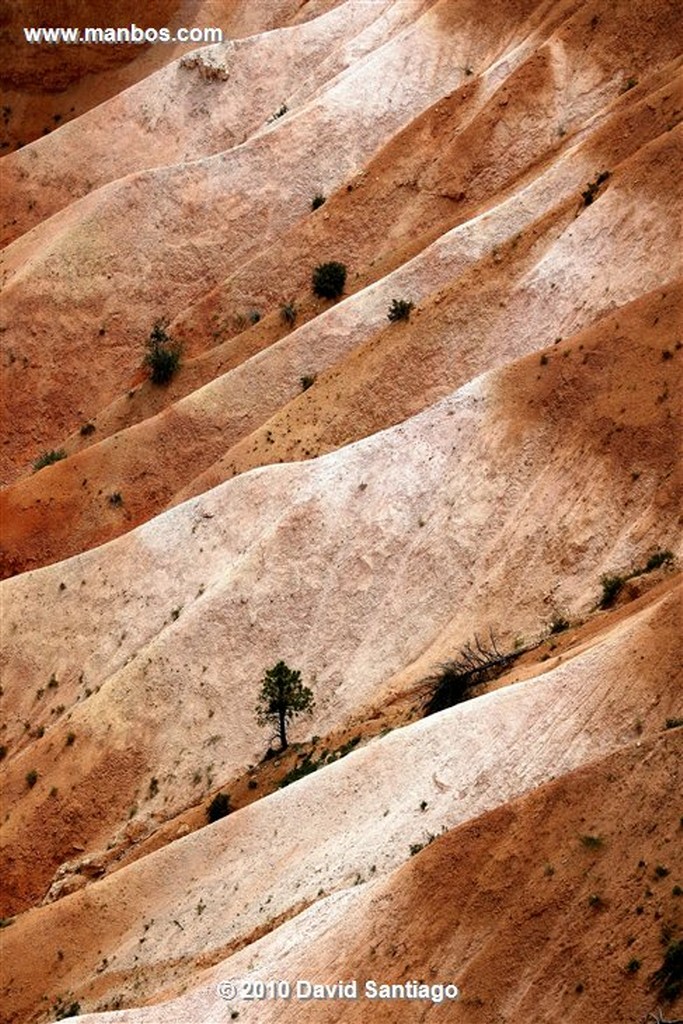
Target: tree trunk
[[283, 733]]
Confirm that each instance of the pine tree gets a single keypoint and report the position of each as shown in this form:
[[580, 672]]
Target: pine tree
[[282, 696]]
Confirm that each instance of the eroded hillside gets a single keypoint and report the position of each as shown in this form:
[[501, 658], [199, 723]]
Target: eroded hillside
[[356, 495]]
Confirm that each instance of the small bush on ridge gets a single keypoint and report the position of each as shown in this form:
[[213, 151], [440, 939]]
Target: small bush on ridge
[[400, 309], [47, 458], [329, 279]]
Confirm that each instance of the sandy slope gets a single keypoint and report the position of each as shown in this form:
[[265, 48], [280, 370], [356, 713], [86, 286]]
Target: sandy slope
[[334, 829], [477, 467]]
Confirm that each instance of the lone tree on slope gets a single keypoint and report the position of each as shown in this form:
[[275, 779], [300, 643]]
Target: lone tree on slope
[[282, 696]]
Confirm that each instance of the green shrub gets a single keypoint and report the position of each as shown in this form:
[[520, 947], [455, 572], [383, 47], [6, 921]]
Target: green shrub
[[219, 807], [307, 381], [31, 778], [633, 965], [318, 200], [116, 499], [254, 316], [329, 279], [162, 358], [611, 588], [400, 309], [592, 842], [288, 314], [659, 558], [47, 458], [673, 723], [87, 429]]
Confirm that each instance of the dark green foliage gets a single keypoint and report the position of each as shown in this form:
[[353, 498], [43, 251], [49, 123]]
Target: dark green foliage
[[47, 458], [317, 200], [282, 697], [633, 965], [669, 977], [329, 279], [456, 680], [280, 112], [592, 842], [307, 381], [31, 778], [400, 309], [673, 723], [659, 558], [70, 739], [219, 807], [288, 314], [87, 429], [116, 499], [162, 358], [611, 588], [254, 316]]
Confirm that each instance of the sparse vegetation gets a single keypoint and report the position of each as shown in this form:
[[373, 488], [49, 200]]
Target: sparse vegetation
[[47, 458], [308, 764], [658, 559], [632, 966], [162, 359], [328, 280], [61, 1010], [254, 316], [559, 624], [282, 697], [400, 309], [219, 807], [70, 739], [669, 977], [116, 499], [153, 787], [592, 842], [280, 112], [590, 192], [31, 778], [612, 583], [318, 200], [288, 314], [611, 588], [307, 381], [456, 680], [87, 429]]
